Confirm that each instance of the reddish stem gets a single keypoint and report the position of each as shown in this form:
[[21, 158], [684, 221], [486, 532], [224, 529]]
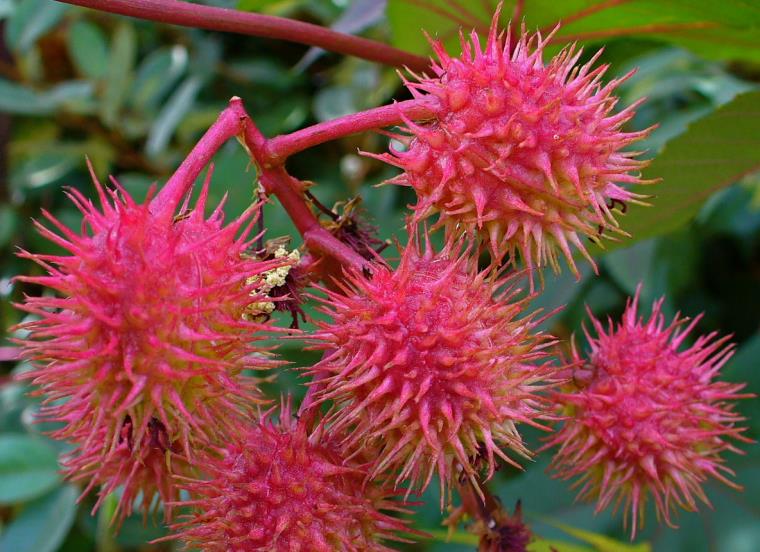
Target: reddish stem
[[641, 29], [282, 147], [235, 121], [255, 24], [225, 127], [280, 184]]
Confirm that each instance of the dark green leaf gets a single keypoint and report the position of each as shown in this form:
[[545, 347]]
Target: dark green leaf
[[28, 467], [728, 30], [713, 153], [120, 65], [88, 49], [43, 524], [632, 265], [8, 221], [31, 20]]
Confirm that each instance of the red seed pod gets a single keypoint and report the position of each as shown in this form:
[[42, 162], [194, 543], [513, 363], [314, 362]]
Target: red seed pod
[[144, 329], [528, 154], [432, 365], [648, 419], [284, 489]]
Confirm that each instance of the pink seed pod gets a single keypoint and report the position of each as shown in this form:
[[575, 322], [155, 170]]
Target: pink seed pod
[[142, 327], [285, 489], [528, 154], [432, 366], [647, 418]]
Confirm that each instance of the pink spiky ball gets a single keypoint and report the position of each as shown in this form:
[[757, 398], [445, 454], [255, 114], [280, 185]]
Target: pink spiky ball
[[647, 418], [527, 153], [285, 489], [142, 342], [432, 366]]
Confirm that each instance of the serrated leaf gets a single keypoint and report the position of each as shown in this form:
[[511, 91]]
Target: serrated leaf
[[727, 30], [43, 524], [28, 468], [713, 153], [89, 49]]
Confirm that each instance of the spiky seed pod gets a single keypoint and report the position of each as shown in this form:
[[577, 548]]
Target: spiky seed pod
[[143, 471], [146, 328], [648, 419], [284, 489], [431, 365], [528, 154]]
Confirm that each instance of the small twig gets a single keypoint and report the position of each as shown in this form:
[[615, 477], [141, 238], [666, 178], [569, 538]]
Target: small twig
[[319, 205], [282, 147]]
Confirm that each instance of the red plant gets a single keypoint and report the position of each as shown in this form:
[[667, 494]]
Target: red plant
[[432, 366], [647, 417]]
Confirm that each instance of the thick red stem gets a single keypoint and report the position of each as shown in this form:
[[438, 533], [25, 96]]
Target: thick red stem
[[255, 24], [225, 127], [281, 147], [235, 121]]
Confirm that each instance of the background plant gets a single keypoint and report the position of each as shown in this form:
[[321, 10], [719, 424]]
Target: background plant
[[135, 96]]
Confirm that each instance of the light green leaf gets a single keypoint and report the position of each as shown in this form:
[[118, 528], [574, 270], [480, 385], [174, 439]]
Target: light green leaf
[[15, 98], [178, 105], [157, 74], [31, 20], [43, 524], [600, 543], [89, 49], [713, 153], [28, 468]]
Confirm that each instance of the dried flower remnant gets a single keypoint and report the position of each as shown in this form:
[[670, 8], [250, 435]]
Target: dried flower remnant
[[648, 418]]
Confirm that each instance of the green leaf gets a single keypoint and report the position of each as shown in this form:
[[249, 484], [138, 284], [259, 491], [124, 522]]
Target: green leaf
[[31, 20], [713, 153], [178, 105], [15, 98], [43, 524], [120, 65], [537, 544], [8, 223], [600, 543], [157, 74], [726, 30], [89, 49], [28, 468]]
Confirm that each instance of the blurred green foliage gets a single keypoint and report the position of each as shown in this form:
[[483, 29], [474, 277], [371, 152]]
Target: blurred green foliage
[[134, 96]]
